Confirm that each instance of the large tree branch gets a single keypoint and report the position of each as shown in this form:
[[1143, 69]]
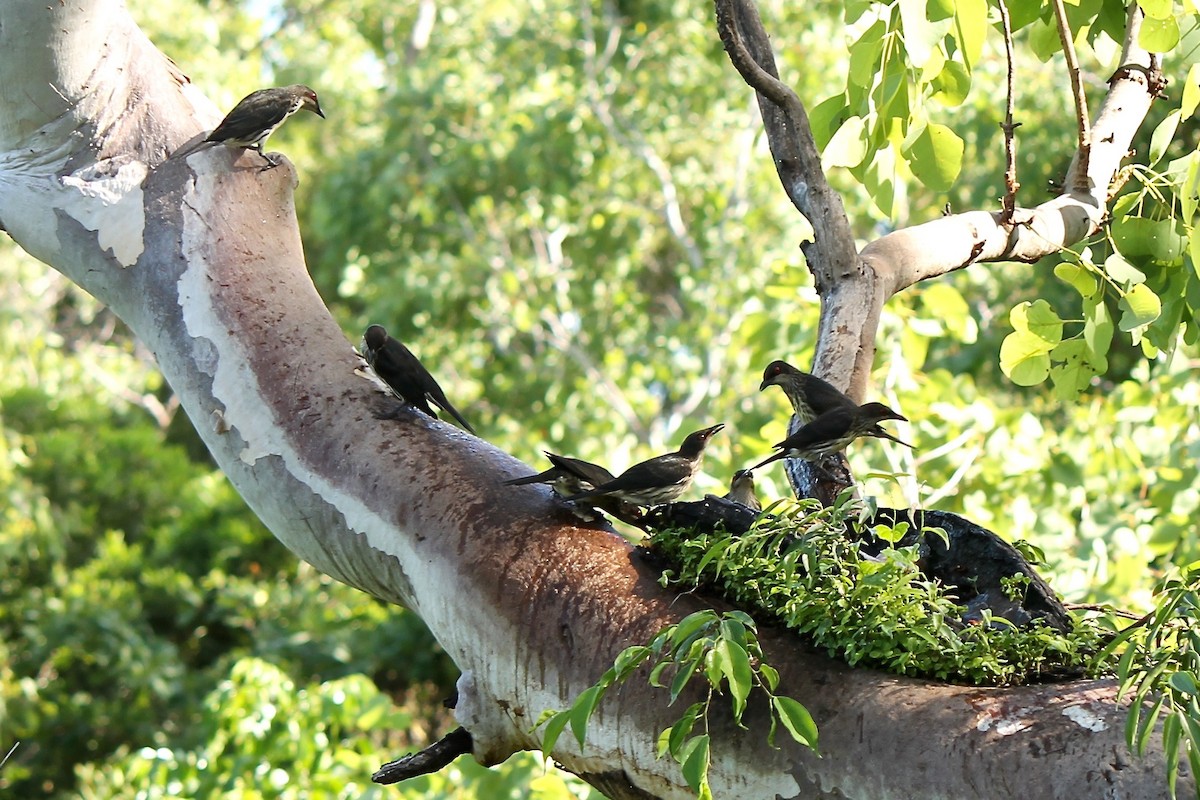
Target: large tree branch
[[201, 256]]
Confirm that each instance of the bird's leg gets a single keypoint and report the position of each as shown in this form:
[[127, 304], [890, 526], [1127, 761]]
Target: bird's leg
[[272, 160]]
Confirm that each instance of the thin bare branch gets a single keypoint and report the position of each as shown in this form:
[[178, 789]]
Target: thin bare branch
[[1008, 126], [1081, 110], [832, 255]]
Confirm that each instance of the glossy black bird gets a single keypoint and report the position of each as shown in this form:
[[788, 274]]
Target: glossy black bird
[[407, 376], [833, 431], [568, 475], [259, 113], [660, 479], [741, 490]]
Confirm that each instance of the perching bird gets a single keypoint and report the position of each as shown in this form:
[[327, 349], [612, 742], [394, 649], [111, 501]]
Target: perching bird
[[833, 431], [809, 395], [407, 376], [741, 490], [259, 113], [660, 479], [568, 475]]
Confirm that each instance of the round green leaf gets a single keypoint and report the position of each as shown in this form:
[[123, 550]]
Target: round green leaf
[[1122, 271], [1140, 306], [952, 84], [1156, 239], [936, 156], [848, 146], [1038, 319], [1159, 35], [1024, 358], [1078, 277], [1156, 9]]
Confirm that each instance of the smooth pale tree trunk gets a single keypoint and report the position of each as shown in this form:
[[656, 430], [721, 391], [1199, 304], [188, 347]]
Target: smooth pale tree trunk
[[201, 256]]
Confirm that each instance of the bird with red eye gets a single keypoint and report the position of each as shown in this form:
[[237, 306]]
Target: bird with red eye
[[258, 114]]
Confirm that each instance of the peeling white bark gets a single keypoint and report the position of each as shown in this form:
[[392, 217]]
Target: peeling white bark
[[201, 256]]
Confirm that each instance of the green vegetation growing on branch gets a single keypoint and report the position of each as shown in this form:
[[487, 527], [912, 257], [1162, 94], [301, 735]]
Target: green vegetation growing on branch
[[798, 568]]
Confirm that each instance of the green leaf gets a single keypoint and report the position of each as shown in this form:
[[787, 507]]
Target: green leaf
[[1140, 306], [1183, 682], [952, 85], [1172, 731], [1159, 35], [1145, 725], [769, 675], [1122, 271], [848, 147], [935, 156], [683, 631], [1164, 134], [736, 668], [628, 660], [920, 37], [796, 720], [1039, 319], [827, 117], [678, 733], [1156, 9], [1191, 92], [864, 55], [581, 711], [554, 729], [1024, 358], [970, 29], [1098, 327], [1077, 276], [1074, 372], [686, 671], [694, 760]]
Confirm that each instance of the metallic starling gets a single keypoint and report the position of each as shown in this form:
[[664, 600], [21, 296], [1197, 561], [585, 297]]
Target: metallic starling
[[741, 490], [407, 376], [833, 430], [259, 113], [811, 396], [568, 475], [660, 479]]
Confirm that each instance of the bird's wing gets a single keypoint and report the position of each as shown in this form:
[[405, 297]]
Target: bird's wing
[[594, 474]]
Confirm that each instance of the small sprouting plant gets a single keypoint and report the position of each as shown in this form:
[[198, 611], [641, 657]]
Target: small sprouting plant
[[1159, 670], [722, 650]]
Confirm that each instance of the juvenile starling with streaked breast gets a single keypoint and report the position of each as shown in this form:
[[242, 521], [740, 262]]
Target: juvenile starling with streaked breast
[[809, 395], [403, 371], [658, 480], [741, 490], [833, 431], [259, 113], [568, 475]]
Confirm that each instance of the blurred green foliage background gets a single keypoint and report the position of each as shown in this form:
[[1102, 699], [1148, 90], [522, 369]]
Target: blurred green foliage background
[[568, 210]]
